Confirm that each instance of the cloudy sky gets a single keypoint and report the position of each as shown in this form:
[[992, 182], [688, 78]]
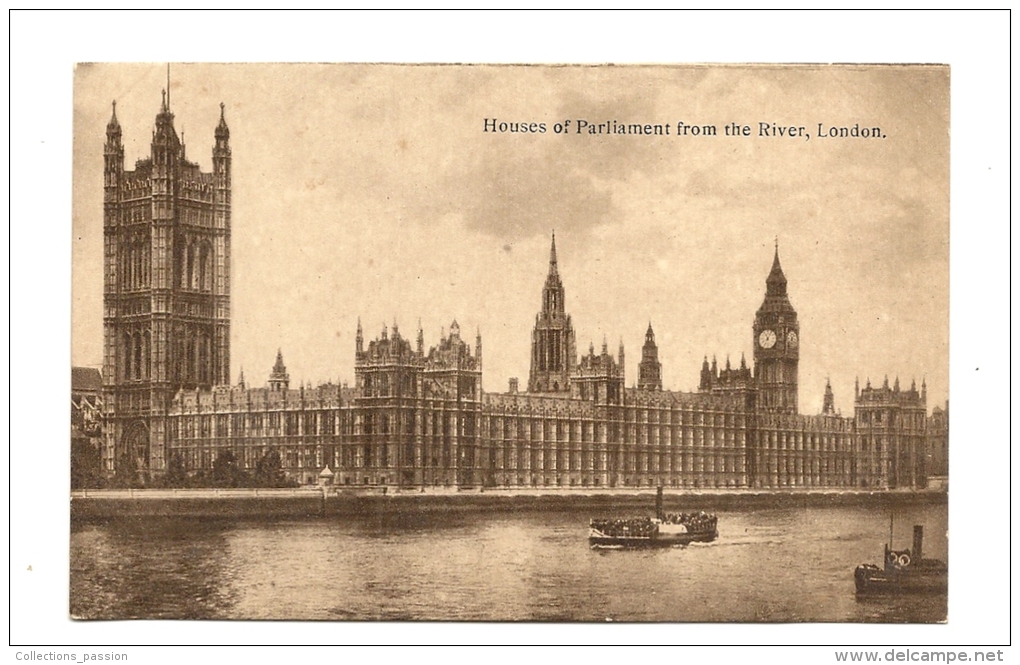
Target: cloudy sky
[[373, 191]]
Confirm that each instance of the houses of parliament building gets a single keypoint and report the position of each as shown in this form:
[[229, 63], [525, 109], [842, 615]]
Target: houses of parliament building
[[418, 417]]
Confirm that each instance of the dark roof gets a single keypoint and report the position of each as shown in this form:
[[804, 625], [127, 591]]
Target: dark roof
[[86, 380]]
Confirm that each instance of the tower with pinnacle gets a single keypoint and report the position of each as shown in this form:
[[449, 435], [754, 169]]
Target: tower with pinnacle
[[553, 350], [279, 379], [166, 288], [776, 345], [649, 369]]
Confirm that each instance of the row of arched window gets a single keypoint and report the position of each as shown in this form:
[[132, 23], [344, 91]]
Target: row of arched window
[[194, 266], [136, 355], [192, 359], [135, 265]]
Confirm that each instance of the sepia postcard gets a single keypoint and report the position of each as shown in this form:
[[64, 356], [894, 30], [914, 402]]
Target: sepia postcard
[[574, 343]]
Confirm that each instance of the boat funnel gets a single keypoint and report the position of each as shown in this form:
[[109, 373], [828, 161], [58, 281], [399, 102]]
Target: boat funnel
[[658, 503], [918, 539]]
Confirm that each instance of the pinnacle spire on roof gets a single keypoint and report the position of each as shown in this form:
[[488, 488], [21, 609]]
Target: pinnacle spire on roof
[[776, 281], [113, 132], [553, 269], [222, 131]]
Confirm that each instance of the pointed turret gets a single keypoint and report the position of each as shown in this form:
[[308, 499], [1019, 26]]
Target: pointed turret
[[828, 401], [222, 132], [478, 347], [165, 132], [421, 340], [279, 379], [113, 132], [113, 161], [359, 340], [706, 376], [650, 369], [775, 283], [240, 380]]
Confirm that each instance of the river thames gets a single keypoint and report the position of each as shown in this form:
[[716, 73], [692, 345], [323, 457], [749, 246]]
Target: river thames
[[768, 565]]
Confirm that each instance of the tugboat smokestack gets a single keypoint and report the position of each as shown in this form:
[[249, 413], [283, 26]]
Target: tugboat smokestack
[[918, 539], [658, 503]]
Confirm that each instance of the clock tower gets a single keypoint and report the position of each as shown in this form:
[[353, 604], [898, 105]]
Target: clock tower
[[776, 345]]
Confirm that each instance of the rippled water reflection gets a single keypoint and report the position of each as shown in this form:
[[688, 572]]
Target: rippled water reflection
[[767, 565]]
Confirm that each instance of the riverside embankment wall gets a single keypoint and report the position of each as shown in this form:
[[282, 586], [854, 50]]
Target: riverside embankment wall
[[90, 505]]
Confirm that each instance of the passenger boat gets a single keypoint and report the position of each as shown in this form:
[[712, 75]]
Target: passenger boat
[[663, 530], [905, 572]]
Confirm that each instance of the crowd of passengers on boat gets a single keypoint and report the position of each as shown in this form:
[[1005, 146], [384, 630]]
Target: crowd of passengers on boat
[[646, 527]]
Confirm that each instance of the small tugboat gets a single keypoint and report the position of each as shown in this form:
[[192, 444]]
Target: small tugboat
[[905, 572], [663, 530]]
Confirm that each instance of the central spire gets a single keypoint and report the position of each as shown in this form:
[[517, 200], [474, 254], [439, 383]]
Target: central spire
[[553, 269], [552, 294], [553, 355]]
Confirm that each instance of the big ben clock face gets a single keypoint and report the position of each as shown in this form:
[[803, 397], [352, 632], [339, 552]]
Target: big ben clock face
[[791, 339], [767, 339]]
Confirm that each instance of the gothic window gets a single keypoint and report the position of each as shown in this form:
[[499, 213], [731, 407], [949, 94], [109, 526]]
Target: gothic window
[[146, 355], [190, 280], [204, 277], [190, 367], [138, 250], [127, 356], [125, 266]]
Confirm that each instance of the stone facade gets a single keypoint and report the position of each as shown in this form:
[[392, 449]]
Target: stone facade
[[420, 419], [166, 298]]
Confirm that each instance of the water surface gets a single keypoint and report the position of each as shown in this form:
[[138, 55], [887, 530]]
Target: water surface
[[774, 565]]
